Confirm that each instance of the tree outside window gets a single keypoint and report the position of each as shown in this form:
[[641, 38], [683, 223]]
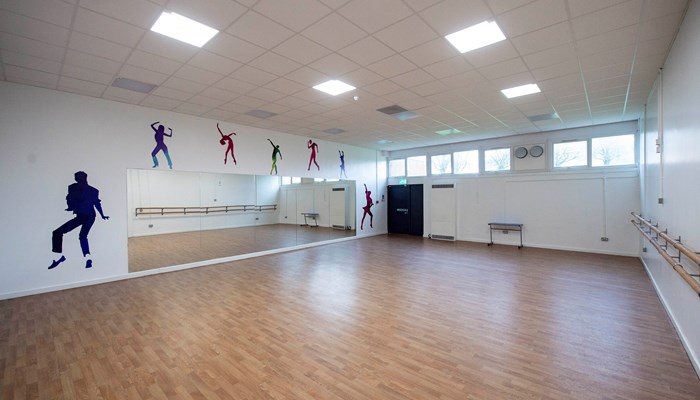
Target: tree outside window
[[497, 160], [612, 150], [441, 164], [570, 154], [466, 162]]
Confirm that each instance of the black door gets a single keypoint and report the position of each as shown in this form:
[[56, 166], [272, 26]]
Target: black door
[[405, 209]]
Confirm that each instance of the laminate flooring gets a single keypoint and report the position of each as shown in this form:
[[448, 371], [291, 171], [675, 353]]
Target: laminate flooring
[[384, 317], [156, 251]]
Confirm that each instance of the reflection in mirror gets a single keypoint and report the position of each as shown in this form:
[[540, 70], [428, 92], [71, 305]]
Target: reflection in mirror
[[178, 217]]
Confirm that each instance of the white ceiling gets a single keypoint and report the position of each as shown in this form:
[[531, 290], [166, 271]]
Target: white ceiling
[[595, 61]]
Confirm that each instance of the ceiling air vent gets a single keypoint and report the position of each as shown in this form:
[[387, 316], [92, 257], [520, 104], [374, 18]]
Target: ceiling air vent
[[543, 117], [260, 114], [398, 112], [136, 86], [334, 131]]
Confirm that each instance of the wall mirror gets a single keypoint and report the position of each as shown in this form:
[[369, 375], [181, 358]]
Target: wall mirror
[[179, 217]]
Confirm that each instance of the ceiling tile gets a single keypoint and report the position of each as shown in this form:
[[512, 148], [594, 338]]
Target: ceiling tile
[[142, 75], [448, 67], [531, 17], [501, 6], [382, 88], [92, 62], [170, 93], [98, 47], [450, 16], [367, 51], [253, 75], [406, 34], [608, 19], [183, 85], [153, 62], [218, 14], [80, 87], [88, 74], [33, 29], [30, 47], [214, 63], [413, 78], [431, 52], [53, 11], [555, 70], [607, 58], [285, 86], [198, 75], [578, 8], [609, 40], [656, 9], [30, 76], [123, 95], [94, 24], [334, 65], [301, 50], [307, 76], [545, 38], [554, 55], [392, 66], [192, 109], [334, 32], [30, 62], [161, 45], [205, 101], [372, 15], [234, 48], [295, 15], [260, 30], [492, 54], [215, 92], [159, 102], [274, 64], [504, 68], [235, 85], [361, 77], [266, 94], [141, 13]]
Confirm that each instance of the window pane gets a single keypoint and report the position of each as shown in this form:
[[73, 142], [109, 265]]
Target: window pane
[[497, 160], [570, 154], [397, 167], [441, 164], [296, 179], [319, 179], [612, 150], [467, 162], [416, 166], [286, 180]]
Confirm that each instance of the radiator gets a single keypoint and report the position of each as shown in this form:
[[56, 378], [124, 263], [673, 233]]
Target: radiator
[[443, 212]]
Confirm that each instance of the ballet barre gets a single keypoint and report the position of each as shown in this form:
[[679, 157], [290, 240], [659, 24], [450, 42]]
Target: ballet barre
[[203, 210]]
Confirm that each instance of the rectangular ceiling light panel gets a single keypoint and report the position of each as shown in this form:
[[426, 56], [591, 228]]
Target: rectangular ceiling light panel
[[521, 90], [183, 29], [334, 87], [476, 36]]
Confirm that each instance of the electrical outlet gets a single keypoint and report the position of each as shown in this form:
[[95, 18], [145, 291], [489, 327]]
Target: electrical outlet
[[150, 225], [644, 249], [505, 232], [604, 239], [661, 200]]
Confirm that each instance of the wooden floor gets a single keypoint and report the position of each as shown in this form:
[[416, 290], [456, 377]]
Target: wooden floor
[[149, 252], [386, 317]]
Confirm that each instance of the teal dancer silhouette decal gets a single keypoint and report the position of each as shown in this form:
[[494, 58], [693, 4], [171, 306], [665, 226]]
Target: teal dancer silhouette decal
[[228, 142], [82, 200], [314, 149], [275, 151], [342, 164], [160, 143]]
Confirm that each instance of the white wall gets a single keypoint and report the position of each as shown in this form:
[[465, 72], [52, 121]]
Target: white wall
[[313, 197], [46, 136], [673, 176], [568, 209]]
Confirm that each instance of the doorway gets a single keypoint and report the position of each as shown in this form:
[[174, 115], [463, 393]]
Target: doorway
[[405, 209]]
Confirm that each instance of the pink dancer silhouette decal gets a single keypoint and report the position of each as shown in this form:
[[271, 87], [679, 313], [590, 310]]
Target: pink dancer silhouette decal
[[228, 142], [314, 149], [366, 208]]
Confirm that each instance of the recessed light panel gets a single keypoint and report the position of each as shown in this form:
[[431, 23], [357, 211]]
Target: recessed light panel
[[450, 131], [183, 29], [334, 87], [521, 90], [476, 36]]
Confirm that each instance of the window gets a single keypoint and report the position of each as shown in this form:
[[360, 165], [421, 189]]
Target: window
[[466, 162], [296, 179], [612, 150], [397, 167], [286, 180], [570, 154], [441, 164], [319, 180], [497, 160], [416, 166]]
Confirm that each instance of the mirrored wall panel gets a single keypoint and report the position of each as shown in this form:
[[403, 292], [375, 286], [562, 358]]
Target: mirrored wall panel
[[178, 217]]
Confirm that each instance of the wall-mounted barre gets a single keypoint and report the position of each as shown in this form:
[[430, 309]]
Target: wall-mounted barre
[[203, 210], [640, 223]]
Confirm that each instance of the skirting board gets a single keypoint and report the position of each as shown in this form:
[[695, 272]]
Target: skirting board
[[163, 270], [694, 360]]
